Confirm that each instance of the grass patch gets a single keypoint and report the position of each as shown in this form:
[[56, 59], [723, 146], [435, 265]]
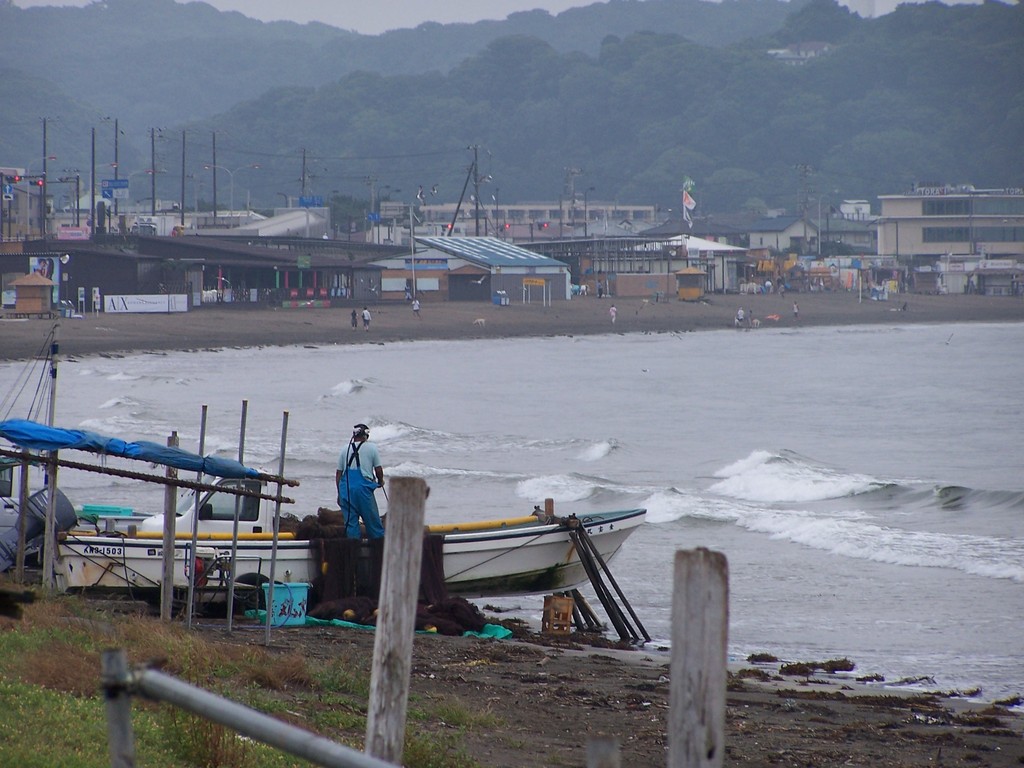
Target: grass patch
[[54, 714]]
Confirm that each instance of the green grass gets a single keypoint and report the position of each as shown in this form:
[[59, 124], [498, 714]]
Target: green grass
[[52, 712]]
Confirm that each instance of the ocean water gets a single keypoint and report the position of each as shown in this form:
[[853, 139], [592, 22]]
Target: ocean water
[[865, 484]]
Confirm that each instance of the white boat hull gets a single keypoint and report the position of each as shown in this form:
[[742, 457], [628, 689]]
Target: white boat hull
[[519, 559]]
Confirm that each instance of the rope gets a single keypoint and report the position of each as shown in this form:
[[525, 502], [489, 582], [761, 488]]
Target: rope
[[42, 359]]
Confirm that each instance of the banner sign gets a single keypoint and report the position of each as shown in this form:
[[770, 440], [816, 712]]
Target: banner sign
[[146, 303]]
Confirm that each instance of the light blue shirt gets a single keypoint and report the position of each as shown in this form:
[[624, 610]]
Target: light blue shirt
[[369, 457]]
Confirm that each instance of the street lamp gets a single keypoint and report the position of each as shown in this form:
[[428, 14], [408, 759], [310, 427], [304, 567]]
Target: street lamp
[[231, 176], [64, 259]]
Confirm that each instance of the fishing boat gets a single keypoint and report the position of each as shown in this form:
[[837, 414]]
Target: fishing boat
[[34, 514], [532, 554], [224, 533]]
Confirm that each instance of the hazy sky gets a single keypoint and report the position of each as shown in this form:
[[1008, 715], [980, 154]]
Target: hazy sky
[[369, 16]]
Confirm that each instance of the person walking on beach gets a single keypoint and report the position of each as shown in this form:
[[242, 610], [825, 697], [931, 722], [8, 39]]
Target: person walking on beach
[[796, 311], [416, 308], [613, 312], [739, 318], [359, 474], [355, 320], [366, 319]]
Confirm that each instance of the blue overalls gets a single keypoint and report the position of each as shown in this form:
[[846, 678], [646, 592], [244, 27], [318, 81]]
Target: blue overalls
[[356, 499]]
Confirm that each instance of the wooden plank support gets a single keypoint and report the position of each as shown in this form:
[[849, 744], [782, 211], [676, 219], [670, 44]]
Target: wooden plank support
[[700, 627], [604, 567], [396, 620]]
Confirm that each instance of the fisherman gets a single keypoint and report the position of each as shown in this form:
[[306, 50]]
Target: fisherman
[[359, 474]]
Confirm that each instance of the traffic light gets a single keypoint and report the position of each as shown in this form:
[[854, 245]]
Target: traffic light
[[508, 226], [16, 178], [38, 182]]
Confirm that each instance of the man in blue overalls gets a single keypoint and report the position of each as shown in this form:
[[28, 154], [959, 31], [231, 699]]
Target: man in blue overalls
[[359, 474]]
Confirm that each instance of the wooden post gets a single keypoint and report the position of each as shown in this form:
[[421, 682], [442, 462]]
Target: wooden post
[[50, 535], [700, 627], [120, 737], [396, 620], [19, 557], [170, 503], [603, 752]]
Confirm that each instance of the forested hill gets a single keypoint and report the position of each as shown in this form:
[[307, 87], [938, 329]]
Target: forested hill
[[927, 93], [159, 62]]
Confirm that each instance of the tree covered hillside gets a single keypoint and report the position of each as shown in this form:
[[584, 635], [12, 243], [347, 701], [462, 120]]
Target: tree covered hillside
[[163, 63], [927, 93]]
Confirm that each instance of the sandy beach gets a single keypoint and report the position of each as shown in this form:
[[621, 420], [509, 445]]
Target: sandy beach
[[245, 326], [547, 696]]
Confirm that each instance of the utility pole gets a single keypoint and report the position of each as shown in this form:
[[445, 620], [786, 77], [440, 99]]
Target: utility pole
[[152, 171], [476, 188], [214, 166], [182, 204], [303, 171], [116, 161], [42, 189], [92, 187], [570, 188], [805, 171]]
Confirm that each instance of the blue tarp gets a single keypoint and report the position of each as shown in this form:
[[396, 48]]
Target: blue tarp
[[29, 434]]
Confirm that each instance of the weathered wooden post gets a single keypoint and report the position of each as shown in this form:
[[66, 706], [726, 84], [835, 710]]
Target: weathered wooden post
[[396, 620], [700, 628], [170, 504], [120, 736]]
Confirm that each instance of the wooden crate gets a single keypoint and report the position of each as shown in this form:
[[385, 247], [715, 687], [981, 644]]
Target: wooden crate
[[557, 617]]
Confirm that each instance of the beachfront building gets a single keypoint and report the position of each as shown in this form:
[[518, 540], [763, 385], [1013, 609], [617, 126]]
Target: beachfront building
[[930, 222], [577, 216], [473, 269], [784, 234], [646, 267], [956, 239]]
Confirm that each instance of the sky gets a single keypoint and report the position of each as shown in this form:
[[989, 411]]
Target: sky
[[369, 17]]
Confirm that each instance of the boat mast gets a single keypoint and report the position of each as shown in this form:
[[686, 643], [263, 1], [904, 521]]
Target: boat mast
[[50, 537]]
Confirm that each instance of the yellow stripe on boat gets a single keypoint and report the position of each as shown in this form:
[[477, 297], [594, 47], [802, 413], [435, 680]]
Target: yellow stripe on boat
[[482, 525]]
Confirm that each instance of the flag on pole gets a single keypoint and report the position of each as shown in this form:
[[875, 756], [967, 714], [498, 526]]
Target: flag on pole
[[688, 205], [688, 202]]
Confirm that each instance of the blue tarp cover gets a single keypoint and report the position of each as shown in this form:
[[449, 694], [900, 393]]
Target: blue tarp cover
[[29, 434]]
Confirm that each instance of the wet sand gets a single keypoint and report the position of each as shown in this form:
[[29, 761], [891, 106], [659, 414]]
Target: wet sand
[[248, 326]]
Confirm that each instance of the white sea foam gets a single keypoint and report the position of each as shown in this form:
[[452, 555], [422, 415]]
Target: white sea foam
[[561, 488], [771, 478], [122, 376], [671, 505], [596, 451], [977, 555], [348, 387], [415, 469], [116, 402]]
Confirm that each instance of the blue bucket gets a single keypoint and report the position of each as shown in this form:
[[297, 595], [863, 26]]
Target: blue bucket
[[290, 601]]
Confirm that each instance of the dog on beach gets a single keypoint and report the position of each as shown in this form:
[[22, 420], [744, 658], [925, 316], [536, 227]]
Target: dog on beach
[[481, 321], [755, 323]]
